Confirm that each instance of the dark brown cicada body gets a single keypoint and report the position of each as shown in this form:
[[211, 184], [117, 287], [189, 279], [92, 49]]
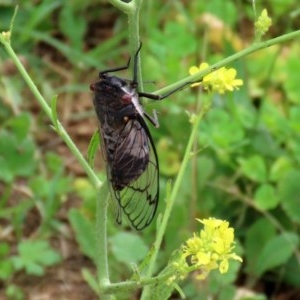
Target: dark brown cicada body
[[132, 163], [128, 148]]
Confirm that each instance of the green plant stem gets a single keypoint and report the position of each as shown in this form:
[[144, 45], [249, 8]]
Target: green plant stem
[[134, 38], [123, 6], [127, 286], [45, 106], [132, 10], [170, 202], [243, 53], [102, 261], [101, 240]]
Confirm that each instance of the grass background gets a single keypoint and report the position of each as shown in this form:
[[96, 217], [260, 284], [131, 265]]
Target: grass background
[[247, 167]]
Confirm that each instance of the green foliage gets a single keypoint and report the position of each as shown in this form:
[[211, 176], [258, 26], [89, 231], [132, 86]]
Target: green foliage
[[34, 256], [14, 292], [93, 148], [245, 165], [221, 131], [289, 194], [254, 168], [266, 250], [18, 159], [85, 233], [251, 149], [268, 259], [6, 267], [265, 197], [128, 247], [91, 280], [72, 26], [16, 149]]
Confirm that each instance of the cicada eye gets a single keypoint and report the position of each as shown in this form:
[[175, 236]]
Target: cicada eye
[[92, 87]]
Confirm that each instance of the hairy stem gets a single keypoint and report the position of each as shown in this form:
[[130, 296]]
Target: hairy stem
[[243, 53]]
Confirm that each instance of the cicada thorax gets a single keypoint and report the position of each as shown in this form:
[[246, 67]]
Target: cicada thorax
[[111, 96]]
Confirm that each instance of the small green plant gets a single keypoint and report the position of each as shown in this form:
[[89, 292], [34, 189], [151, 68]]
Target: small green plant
[[34, 256], [6, 266], [16, 149], [14, 292]]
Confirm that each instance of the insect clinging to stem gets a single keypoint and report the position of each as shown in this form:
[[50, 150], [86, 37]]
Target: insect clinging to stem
[[127, 145]]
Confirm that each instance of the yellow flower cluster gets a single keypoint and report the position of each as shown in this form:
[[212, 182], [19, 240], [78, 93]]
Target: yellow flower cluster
[[212, 247], [220, 81], [262, 24]]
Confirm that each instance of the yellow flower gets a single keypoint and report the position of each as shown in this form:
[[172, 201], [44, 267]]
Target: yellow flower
[[212, 247], [220, 81], [262, 24], [6, 35], [192, 245]]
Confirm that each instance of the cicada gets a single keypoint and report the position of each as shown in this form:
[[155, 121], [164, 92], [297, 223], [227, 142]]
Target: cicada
[[127, 146]]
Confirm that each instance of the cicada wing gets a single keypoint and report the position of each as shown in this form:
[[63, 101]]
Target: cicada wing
[[134, 174], [105, 145]]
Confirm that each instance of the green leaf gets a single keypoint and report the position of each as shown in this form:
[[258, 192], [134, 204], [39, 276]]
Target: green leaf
[[294, 119], [275, 121], [281, 166], [6, 267], [289, 194], [294, 145], [54, 112], [85, 233], [206, 168], [54, 162], [291, 82], [265, 197], [227, 292], [20, 126], [245, 112], [292, 271], [50, 192], [256, 237], [16, 157], [263, 143], [4, 249], [14, 292], [72, 25], [39, 14], [33, 256], [91, 280], [128, 247], [93, 148], [254, 168], [276, 252], [222, 130]]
